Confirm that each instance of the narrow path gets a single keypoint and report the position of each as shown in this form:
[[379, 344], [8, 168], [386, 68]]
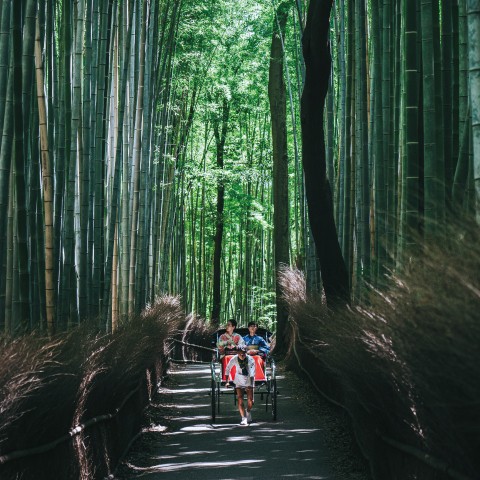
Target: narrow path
[[181, 441]]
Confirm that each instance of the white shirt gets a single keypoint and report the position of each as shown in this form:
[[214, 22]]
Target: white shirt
[[241, 380]]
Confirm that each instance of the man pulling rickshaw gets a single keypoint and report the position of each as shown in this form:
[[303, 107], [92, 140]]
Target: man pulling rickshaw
[[244, 380]]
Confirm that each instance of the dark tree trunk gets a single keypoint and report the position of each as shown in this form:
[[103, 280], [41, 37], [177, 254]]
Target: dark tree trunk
[[316, 52], [277, 97], [220, 129]]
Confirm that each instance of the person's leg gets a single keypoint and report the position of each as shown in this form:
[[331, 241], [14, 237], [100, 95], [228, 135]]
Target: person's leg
[[241, 408], [249, 398], [249, 403]]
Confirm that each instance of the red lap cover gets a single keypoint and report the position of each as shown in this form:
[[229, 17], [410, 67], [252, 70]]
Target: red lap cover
[[259, 368]]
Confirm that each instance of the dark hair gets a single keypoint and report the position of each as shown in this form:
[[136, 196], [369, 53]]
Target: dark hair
[[252, 323], [233, 322]]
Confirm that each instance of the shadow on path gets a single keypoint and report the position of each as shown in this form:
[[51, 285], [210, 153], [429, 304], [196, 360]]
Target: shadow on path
[[192, 447]]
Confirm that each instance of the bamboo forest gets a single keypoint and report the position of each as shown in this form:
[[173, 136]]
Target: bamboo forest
[[167, 166]]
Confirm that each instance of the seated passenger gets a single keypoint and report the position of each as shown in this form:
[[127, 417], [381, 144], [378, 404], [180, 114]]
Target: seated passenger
[[228, 341], [256, 345]]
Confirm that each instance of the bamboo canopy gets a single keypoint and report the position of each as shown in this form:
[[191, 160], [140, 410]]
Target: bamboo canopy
[[161, 147]]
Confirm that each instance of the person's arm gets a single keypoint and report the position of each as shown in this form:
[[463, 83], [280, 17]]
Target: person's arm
[[263, 346], [229, 366], [221, 346]]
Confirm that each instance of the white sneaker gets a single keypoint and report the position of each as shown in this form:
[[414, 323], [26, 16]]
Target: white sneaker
[[244, 421], [249, 417]]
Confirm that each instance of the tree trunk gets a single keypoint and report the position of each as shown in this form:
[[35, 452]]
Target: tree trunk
[[317, 56], [277, 97], [220, 136]]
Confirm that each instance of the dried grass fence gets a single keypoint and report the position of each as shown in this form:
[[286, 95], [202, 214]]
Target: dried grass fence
[[70, 406], [193, 342], [405, 363]]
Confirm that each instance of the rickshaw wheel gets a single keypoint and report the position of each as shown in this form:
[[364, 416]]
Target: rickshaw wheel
[[274, 399]]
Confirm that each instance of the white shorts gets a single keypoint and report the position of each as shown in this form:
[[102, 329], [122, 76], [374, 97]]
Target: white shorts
[[242, 381]]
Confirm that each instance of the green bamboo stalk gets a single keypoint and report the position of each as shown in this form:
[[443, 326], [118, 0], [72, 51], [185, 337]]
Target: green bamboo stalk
[[98, 160], [455, 89], [473, 12], [6, 155], [20, 167], [377, 144], [387, 119], [84, 271], [440, 204], [429, 119], [410, 170], [347, 239], [342, 126], [463, 64], [118, 153], [35, 226], [4, 57], [361, 149], [10, 257], [447, 93], [137, 146], [6, 168], [47, 184]]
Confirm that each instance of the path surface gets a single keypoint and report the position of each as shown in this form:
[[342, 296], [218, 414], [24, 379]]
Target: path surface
[[183, 443]]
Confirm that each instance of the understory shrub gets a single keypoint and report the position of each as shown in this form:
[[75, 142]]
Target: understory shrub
[[193, 341], [404, 362], [50, 386]]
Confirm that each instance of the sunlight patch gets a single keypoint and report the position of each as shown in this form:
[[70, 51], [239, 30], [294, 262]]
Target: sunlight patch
[[308, 478], [154, 428], [186, 419], [189, 371], [197, 428], [243, 438], [183, 390], [195, 406], [175, 467], [289, 432], [199, 452]]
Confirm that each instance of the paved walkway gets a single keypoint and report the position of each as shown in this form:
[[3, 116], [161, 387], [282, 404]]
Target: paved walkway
[[185, 444]]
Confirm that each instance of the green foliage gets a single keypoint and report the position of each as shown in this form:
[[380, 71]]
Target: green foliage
[[227, 55]]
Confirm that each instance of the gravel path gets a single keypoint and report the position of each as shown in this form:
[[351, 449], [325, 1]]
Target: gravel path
[[310, 440]]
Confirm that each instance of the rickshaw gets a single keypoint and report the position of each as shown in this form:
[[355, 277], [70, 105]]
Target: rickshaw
[[265, 374]]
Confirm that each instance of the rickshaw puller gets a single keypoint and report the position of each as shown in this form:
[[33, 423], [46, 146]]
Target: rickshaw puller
[[244, 381]]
